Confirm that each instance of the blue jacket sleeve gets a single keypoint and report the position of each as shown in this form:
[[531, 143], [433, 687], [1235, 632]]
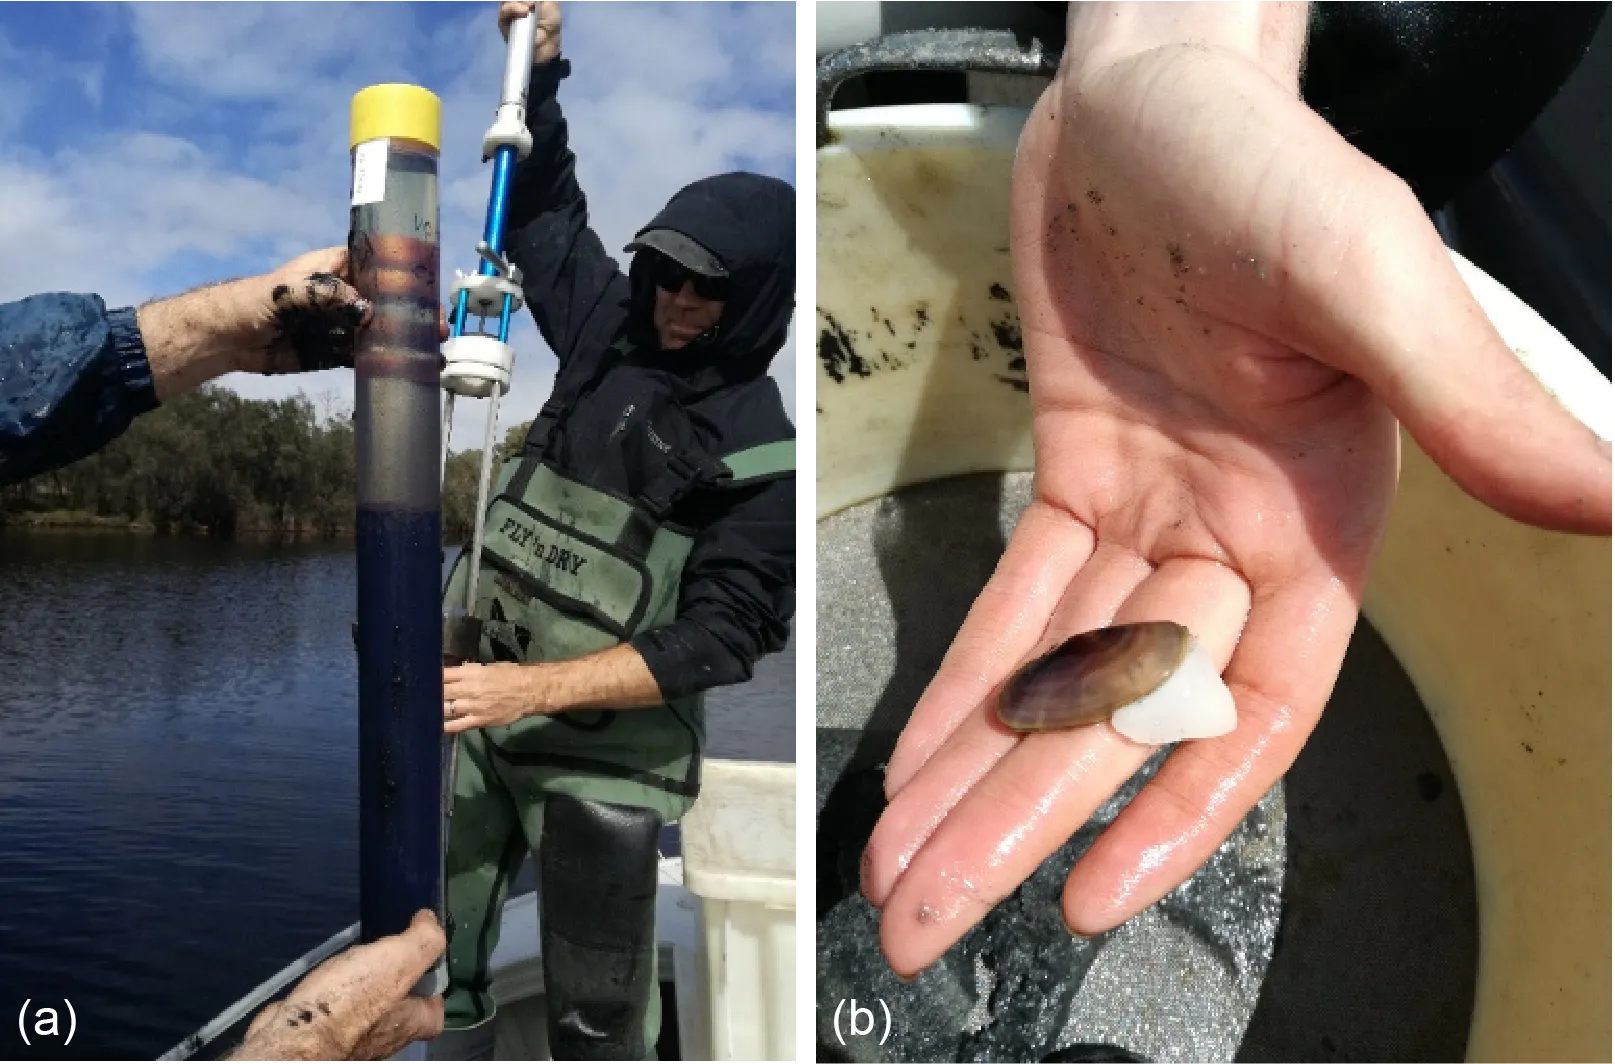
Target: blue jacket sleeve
[[73, 375]]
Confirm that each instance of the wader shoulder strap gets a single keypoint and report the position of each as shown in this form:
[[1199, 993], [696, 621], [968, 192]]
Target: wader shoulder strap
[[564, 393], [687, 472], [766, 461]]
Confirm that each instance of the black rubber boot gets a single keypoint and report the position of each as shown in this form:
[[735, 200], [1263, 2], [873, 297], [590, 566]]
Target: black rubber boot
[[597, 918]]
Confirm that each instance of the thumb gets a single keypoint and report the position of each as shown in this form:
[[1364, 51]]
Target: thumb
[[426, 936], [411, 1020], [1405, 322]]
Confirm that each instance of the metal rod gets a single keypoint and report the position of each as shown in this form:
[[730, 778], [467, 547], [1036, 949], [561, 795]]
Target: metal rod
[[519, 60], [459, 312], [448, 423], [451, 773], [493, 229], [482, 504]]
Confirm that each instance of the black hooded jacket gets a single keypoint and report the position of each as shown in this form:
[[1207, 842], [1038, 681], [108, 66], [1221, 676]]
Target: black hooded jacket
[[1436, 93], [620, 417]]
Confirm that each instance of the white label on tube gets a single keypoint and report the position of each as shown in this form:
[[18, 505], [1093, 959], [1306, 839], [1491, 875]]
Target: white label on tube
[[370, 172]]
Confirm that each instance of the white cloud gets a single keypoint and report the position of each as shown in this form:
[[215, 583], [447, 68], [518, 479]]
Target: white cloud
[[28, 79], [16, 92], [285, 52], [107, 216]]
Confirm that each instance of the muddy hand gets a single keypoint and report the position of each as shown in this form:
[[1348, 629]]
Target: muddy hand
[[357, 1005], [305, 316]]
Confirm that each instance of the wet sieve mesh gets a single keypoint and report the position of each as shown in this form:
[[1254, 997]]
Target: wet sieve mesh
[[1196, 977]]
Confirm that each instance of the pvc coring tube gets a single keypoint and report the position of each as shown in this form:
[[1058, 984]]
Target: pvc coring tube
[[393, 257]]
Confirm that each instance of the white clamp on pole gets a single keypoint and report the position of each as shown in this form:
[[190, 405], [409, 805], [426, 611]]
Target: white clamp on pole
[[476, 365], [510, 121]]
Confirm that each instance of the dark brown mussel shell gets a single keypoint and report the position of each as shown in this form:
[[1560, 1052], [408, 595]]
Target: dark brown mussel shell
[[1090, 676]]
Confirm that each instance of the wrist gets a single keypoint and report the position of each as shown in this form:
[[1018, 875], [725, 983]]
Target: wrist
[[246, 312], [538, 694], [192, 338], [1271, 35]]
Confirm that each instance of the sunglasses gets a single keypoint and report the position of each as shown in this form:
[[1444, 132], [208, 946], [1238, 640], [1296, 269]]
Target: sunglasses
[[671, 275]]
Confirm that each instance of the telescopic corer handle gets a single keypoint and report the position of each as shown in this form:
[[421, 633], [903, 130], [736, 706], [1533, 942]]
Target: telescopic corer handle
[[478, 365]]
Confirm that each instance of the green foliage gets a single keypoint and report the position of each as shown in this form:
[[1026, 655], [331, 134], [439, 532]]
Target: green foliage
[[215, 462], [460, 482]]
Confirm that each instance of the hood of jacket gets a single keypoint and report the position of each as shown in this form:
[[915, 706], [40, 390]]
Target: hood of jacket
[[749, 222]]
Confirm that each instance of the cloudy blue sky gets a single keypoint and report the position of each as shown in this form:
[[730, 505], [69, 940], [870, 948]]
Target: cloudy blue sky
[[149, 147]]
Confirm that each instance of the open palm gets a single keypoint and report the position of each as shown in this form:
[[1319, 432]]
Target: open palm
[[1226, 308]]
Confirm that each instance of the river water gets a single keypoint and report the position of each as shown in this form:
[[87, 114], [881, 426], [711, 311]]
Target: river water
[[178, 809]]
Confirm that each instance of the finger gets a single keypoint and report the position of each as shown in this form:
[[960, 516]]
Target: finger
[[1048, 786], [364, 311], [510, 11], [332, 260], [411, 1020], [462, 724], [414, 1019], [919, 808], [338, 266], [421, 942], [1206, 597], [1023, 810], [397, 962], [1045, 552], [1281, 675], [1401, 317], [979, 741], [1093, 598], [321, 290], [420, 945]]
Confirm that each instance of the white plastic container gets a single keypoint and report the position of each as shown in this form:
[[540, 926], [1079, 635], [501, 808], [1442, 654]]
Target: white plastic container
[[739, 847]]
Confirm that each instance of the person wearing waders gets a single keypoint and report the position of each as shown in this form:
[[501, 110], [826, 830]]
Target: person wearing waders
[[638, 551]]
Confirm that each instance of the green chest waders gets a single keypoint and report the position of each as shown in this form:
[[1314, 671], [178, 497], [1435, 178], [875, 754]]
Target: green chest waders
[[569, 570]]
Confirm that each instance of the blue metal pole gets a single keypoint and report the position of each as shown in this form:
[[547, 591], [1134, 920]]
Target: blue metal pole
[[493, 229]]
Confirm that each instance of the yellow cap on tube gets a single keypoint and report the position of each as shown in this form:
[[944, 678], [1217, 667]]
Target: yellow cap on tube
[[396, 111]]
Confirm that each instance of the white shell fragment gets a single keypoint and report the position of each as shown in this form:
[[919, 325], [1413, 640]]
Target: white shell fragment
[[1192, 703]]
